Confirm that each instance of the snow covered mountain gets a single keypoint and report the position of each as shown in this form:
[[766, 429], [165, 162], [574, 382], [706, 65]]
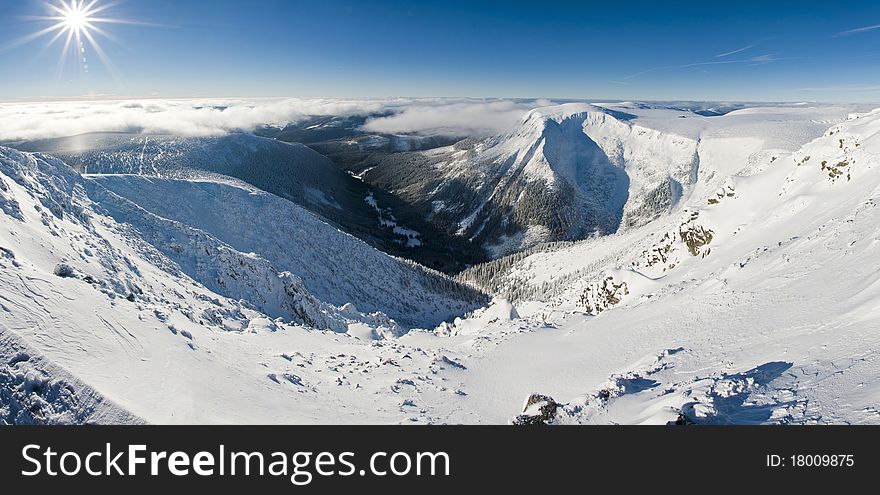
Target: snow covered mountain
[[757, 303], [292, 171], [83, 268], [567, 172], [289, 170], [334, 267], [575, 170], [751, 298]]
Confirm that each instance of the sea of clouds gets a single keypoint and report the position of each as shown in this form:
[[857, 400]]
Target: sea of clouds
[[207, 117]]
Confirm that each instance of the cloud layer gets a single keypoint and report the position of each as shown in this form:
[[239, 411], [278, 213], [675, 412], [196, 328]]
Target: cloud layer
[[30, 121], [456, 118]]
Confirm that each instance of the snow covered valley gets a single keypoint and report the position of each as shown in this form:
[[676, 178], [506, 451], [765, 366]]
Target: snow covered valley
[[747, 292]]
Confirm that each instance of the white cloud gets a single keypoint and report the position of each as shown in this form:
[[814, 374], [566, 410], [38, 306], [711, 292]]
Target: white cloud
[[859, 30], [756, 60], [28, 121], [456, 118], [734, 52], [185, 117]]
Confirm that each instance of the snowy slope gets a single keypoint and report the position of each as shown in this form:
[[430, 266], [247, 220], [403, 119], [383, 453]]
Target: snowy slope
[[71, 210], [101, 298], [758, 304], [335, 267], [753, 301], [33, 390], [289, 170]]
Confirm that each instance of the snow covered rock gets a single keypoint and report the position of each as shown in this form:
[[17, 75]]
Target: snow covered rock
[[64, 270], [600, 296], [538, 410]]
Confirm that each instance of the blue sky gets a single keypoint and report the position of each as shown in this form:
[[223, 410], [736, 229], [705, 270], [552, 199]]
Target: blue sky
[[759, 51]]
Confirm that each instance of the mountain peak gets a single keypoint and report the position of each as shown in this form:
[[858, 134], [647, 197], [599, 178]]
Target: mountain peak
[[565, 111]]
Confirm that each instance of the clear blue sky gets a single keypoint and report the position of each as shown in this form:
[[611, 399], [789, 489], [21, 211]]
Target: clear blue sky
[[557, 49]]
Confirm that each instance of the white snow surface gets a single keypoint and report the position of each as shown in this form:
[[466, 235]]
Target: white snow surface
[[755, 301]]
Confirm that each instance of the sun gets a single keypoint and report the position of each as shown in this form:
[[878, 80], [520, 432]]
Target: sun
[[76, 24], [75, 17]]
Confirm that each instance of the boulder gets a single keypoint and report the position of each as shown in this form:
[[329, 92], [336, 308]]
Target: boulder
[[539, 410]]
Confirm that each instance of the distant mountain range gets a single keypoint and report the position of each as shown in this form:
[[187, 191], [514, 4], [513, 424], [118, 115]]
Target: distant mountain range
[[566, 172]]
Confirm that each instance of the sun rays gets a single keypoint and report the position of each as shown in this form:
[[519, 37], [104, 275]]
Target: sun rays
[[77, 22], [75, 25]]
